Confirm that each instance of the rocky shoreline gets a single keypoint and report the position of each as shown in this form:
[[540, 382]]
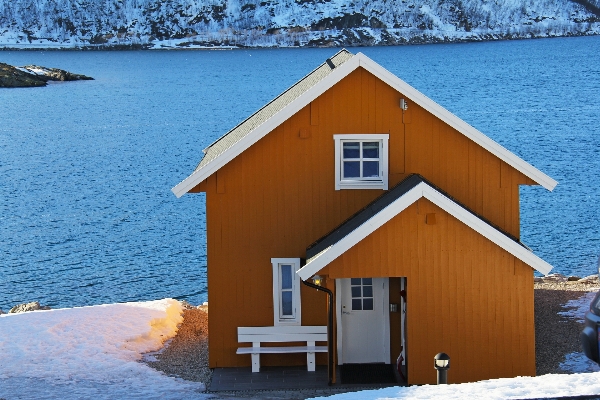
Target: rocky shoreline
[[34, 76]]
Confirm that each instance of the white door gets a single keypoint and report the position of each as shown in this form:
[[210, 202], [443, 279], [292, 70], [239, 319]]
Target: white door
[[363, 310]]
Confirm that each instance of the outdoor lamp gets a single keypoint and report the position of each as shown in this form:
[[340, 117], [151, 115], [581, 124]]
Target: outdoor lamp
[[441, 362], [317, 280]]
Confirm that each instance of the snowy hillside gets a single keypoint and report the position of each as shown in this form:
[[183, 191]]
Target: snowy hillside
[[265, 23]]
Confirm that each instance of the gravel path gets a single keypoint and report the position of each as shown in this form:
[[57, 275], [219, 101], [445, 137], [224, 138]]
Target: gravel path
[[186, 355], [556, 335]]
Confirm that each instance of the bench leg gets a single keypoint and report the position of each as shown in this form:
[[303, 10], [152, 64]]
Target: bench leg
[[310, 358], [255, 358]]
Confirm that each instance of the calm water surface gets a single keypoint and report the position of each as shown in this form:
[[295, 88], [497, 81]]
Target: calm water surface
[[86, 212]]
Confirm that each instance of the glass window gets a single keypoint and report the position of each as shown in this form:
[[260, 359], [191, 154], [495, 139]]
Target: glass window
[[286, 310], [286, 304], [361, 291], [351, 149], [286, 276], [361, 161], [286, 291]]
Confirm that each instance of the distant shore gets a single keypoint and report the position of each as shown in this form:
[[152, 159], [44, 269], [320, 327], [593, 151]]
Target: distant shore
[[321, 40]]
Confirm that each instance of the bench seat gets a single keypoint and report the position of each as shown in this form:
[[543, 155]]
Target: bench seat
[[282, 334], [282, 350]]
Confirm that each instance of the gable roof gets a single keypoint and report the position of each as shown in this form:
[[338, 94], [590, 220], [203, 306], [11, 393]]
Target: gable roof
[[392, 203], [312, 86]]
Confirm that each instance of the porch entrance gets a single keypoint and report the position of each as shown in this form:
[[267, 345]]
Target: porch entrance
[[363, 331]]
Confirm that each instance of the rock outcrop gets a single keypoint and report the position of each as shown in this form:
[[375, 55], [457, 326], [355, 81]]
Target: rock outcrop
[[26, 307], [34, 76]]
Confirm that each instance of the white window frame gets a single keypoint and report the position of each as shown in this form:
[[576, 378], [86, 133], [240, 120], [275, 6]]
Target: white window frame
[[296, 317], [362, 183]]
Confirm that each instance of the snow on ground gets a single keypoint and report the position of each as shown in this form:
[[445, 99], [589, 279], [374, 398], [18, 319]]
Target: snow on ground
[[89, 352], [584, 378], [576, 308], [94, 352], [514, 388]]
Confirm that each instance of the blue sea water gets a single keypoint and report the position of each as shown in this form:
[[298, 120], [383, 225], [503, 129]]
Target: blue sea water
[[86, 212]]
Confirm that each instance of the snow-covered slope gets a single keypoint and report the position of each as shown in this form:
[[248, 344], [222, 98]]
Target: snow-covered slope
[[263, 23]]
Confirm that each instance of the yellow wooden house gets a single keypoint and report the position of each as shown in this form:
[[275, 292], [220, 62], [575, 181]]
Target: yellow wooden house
[[407, 215]]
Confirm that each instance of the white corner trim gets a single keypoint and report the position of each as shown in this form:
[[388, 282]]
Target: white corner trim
[[457, 123], [400, 204]]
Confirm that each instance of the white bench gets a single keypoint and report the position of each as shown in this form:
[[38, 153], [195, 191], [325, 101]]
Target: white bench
[[282, 334]]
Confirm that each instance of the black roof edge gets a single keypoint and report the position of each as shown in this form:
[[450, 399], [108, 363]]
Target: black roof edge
[[381, 202]]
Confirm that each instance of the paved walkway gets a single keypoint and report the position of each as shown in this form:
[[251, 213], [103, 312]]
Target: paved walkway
[[277, 383]]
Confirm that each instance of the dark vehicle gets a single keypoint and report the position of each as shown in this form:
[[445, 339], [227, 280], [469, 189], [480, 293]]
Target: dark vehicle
[[590, 334]]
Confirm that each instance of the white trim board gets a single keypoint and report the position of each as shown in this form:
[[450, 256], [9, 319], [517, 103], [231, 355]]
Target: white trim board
[[399, 205], [343, 70]]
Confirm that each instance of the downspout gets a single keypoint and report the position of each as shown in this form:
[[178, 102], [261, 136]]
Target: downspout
[[329, 327]]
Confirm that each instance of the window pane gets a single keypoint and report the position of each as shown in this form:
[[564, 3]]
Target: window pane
[[286, 276], [371, 150], [356, 304], [367, 281], [351, 169], [355, 291], [286, 303], [351, 149], [354, 281], [367, 291], [370, 169], [367, 304]]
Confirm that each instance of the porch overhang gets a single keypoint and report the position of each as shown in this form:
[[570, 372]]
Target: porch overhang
[[392, 203]]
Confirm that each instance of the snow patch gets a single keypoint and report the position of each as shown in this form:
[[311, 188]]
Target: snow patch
[[576, 308], [89, 352]]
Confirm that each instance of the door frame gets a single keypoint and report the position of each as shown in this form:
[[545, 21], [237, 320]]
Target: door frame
[[386, 320]]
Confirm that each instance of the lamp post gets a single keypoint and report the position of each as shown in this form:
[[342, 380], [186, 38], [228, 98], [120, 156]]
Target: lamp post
[[441, 362]]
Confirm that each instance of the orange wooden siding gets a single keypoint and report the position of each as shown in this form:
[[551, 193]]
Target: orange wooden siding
[[466, 296], [278, 196]]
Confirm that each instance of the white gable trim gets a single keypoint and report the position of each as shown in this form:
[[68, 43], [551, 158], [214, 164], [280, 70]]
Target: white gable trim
[[360, 60], [400, 204], [287, 112], [457, 123]]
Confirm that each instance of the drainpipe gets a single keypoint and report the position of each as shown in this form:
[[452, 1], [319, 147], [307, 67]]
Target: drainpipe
[[329, 327]]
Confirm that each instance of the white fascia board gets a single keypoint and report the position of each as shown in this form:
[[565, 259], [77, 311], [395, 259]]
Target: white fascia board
[[368, 227], [457, 123], [361, 60], [254, 136], [458, 212], [486, 230]]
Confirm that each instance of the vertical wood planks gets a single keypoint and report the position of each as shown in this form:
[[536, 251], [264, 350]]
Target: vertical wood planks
[[278, 196], [462, 295]]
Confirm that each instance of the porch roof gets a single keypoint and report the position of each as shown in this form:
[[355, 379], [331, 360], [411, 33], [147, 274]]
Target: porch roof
[[393, 202]]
